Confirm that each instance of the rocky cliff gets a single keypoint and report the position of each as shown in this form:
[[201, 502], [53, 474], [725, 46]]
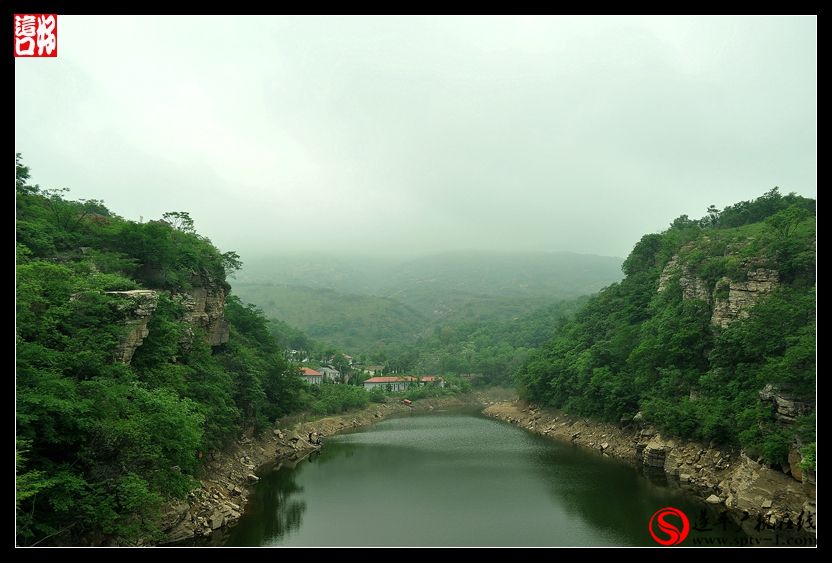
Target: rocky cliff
[[730, 299], [138, 306], [204, 307], [742, 295], [693, 287]]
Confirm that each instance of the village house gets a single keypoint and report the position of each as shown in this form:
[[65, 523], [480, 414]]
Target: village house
[[331, 374], [393, 384], [311, 376], [374, 370], [432, 380], [400, 383]]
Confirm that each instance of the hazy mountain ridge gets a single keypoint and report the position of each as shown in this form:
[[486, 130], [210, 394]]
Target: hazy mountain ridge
[[358, 303]]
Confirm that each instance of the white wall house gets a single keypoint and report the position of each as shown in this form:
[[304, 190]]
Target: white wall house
[[432, 380], [400, 383], [330, 374], [311, 376], [387, 383]]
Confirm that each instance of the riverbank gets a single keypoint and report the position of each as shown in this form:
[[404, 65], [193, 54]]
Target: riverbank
[[753, 494], [229, 477]]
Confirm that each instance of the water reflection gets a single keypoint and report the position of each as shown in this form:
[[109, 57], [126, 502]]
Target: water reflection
[[612, 496], [451, 479], [279, 504]]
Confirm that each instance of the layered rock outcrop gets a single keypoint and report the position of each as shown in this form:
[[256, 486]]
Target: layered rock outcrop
[[731, 299], [742, 295], [138, 306], [204, 309], [693, 287], [786, 407]]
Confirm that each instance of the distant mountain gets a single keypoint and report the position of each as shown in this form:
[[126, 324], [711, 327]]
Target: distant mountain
[[477, 284], [470, 272], [349, 321], [358, 303], [363, 275]]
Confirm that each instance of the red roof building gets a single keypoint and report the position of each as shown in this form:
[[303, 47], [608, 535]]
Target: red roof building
[[311, 376]]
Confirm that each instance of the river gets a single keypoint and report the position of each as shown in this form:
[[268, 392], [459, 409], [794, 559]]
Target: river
[[459, 479]]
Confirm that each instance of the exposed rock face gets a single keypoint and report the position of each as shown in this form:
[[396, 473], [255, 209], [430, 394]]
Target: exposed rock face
[[670, 269], [692, 286], [654, 454], [204, 307], [173, 515], [786, 407], [742, 295], [794, 463], [138, 306], [755, 489]]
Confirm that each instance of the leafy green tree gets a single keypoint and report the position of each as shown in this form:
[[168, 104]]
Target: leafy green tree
[[634, 348], [102, 444], [785, 222]]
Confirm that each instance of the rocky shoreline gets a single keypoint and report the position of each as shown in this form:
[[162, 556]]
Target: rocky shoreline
[[229, 476], [754, 494], [751, 492]]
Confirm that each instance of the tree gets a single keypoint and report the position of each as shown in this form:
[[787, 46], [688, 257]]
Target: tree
[[21, 175], [712, 218], [785, 222], [179, 220], [231, 262]]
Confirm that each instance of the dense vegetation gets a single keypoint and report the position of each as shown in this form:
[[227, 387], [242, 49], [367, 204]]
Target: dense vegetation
[[487, 335], [358, 323], [492, 351], [367, 306], [102, 444], [633, 348]]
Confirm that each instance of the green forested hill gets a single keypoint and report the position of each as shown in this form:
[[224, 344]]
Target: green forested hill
[[443, 284], [364, 305], [709, 314], [492, 350], [352, 322], [105, 436]]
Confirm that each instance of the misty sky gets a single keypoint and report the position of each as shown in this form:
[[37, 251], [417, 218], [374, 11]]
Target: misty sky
[[422, 134]]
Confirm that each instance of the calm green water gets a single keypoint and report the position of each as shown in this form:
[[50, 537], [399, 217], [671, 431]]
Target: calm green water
[[451, 479]]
